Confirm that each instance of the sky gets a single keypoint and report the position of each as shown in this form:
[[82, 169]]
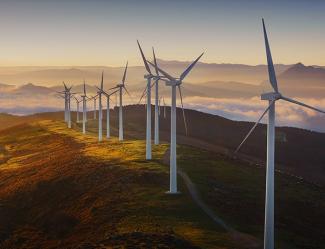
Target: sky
[[99, 32]]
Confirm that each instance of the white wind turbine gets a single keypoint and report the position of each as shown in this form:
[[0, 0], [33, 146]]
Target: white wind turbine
[[164, 107], [94, 98], [65, 103], [175, 82], [77, 102], [107, 112], [66, 93], [84, 109], [147, 91], [157, 77], [121, 86], [63, 95], [272, 97], [67, 97], [100, 114]]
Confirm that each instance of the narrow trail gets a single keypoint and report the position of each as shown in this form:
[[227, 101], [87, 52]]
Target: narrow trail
[[196, 197], [244, 240]]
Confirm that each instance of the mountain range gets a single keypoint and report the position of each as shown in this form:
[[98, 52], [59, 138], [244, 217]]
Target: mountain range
[[203, 72], [208, 80]]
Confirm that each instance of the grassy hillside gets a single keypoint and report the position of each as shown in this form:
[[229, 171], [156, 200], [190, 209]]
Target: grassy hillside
[[8, 120], [220, 135], [59, 189], [223, 136], [236, 191]]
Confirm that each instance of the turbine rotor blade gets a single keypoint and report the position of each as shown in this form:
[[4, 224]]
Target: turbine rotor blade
[[302, 104], [109, 94], [143, 94], [126, 90], [184, 117], [100, 90], [113, 92], [124, 75], [115, 87], [102, 82], [144, 59], [253, 128], [272, 76], [155, 61], [189, 68], [163, 72]]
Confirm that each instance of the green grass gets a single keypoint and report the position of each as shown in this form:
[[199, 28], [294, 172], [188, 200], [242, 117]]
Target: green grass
[[60, 187], [236, 192]]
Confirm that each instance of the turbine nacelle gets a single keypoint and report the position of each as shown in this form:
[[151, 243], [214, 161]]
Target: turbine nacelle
[[173, 82], [271, 96], [148, 76]]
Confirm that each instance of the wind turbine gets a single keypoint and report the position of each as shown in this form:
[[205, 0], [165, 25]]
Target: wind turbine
[[157, 77], [84, 109], [108, 95], [164, 107], [173, 83], [95, 108], [65, 92], [147, 90], [69, 107], [272, 97], [67, 104], [77, 102], [162, 99], [121, 86], [100, 114], [63, 96]]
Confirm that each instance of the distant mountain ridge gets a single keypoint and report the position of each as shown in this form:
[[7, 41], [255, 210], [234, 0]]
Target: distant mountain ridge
[[300, 72], [301, 81], [201, 73]]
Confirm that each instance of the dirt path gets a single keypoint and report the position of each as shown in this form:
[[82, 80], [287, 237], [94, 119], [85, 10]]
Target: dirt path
[[196, 197], [243, 240]]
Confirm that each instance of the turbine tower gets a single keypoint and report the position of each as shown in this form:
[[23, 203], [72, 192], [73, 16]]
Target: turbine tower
[[95, 108], [100, 114], [66, 101], [84, 109], [173, 83], [69, 107], [67, 104], [271, 97], [164, 107], [121, 86]]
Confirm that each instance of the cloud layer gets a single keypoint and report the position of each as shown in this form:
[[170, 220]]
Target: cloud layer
[[244, 109]]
